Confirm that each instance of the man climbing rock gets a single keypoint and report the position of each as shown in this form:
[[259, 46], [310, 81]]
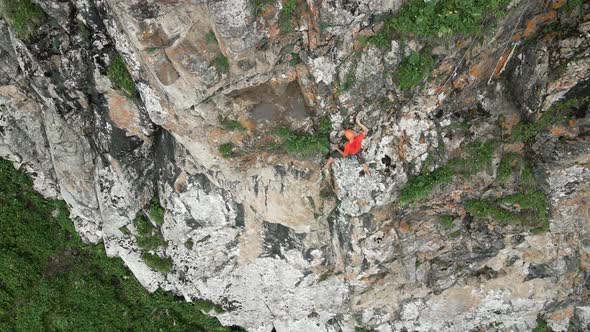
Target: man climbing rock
[[351, 148]]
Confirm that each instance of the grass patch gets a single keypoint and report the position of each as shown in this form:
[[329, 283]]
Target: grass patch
[[422, 185], [445, 18], [478, 156], [52, 281], [120, 77], [287, 14], [210, 37], [571, 5], [227, 149], [380, 40], [156, 211], [125, 230], [527, 208], [258, 6], [414, 69], [487, 209], [24, 16], [527, 178], [349, 78], [446, 221], [525, 132], [230, 124], [220, 63], [148, 236], [161, 264], [295, 59], [507, 166], [306, 144], [542, 326], [85, 32]]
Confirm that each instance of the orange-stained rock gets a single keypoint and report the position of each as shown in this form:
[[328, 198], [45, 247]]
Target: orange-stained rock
[[509, 121], [180, 183], [558, 131], [152, 35], [556, 4], [562, 314], [502, 62], [312, 17], [404, 226], [514, 147], [123, 113], [533, 25], [461, 81]]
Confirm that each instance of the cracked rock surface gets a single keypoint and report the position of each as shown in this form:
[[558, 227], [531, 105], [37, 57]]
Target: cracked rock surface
[[263, 233]]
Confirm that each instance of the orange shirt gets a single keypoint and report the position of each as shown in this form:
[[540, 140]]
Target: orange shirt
[[354, 146]]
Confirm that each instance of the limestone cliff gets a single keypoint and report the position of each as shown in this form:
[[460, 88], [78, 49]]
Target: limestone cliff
[[476, 214]]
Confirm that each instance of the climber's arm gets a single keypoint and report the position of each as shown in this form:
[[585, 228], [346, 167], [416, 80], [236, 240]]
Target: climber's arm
[[363, 127], [336, 148]]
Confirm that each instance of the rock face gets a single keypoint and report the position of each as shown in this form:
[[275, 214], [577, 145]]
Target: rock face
[[259, 231]]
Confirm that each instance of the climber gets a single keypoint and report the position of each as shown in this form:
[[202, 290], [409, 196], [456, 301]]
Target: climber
[[351, 148]]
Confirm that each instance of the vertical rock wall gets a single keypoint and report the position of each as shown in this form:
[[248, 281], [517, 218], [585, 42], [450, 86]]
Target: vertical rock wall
[[255, 231]]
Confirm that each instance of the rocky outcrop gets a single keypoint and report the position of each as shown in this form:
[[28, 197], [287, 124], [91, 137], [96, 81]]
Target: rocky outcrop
[[263, 233]]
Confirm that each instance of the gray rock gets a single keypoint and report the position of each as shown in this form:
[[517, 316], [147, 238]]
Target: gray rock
[[259, 232]]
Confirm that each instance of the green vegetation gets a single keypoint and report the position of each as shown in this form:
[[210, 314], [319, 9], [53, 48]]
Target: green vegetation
[[349, 78], [161, 264], [362, 329], [327, 192], [24, 16], [120, 77], [446, 221], [156, 211], [148, 236], [84, 31], [477, 156], [571, 5], [527, 178], [380, 39], [420, 186], [507, 166], [125, 230], [433, 19], [210, 37], [231, 124], [527, 208], [414, 69], [487, 209], [445, 17], [51, 281], [227, 149], [295, 59], [220, 63], [527, 131], [542, 326], [287, 14], [259, 6], [189, 244], [55, 43], [306, 144]]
